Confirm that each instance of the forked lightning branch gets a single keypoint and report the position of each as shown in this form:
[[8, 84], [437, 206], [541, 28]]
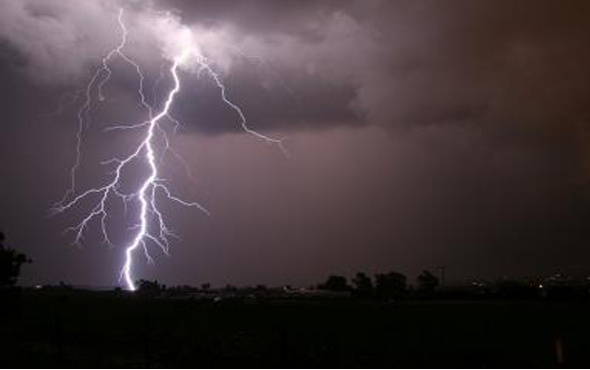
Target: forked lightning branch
[[151, 228]]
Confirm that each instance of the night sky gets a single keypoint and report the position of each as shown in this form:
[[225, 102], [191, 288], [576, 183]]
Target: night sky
[[420, 134]]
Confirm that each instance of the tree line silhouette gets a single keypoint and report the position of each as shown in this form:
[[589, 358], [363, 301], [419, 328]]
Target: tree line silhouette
[[10, 264], [383, 286], [391, 285]]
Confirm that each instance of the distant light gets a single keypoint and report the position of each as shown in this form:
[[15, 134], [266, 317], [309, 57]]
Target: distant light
[[38, 286], [540, 286]]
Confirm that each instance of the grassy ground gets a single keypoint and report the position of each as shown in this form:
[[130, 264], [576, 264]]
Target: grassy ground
[[98, 330]]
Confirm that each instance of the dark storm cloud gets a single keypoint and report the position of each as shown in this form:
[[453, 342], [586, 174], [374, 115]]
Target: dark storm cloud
[[326, 63], [423, 62], [301, 19], [60, 43]]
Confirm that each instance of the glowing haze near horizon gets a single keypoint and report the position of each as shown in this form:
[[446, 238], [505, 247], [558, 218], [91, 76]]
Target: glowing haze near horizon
[[419, 133]]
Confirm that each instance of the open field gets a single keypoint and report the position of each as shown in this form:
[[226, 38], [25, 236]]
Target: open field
[[102, 330]]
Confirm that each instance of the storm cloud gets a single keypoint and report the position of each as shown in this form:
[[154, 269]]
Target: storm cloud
[[319, 64]]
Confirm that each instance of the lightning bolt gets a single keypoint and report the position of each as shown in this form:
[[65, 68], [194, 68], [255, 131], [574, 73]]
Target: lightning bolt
[[151, 226]]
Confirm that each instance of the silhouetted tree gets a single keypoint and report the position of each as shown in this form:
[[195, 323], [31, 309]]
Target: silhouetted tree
[[335, 283], [363, 285], [10, 264], [390, 285], [148, 288], [427, 282], [229, 288]]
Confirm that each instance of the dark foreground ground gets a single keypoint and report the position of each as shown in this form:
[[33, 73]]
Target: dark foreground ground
[[98, 330]]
